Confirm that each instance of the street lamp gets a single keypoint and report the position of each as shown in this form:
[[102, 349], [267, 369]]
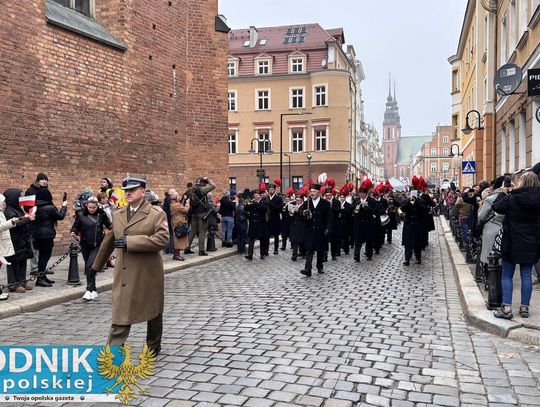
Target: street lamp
[[468, 129], [264, 147], [281, 142], [309, 157], [290, 177]]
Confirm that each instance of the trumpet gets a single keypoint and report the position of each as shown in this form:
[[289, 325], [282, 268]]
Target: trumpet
[[413, 200]]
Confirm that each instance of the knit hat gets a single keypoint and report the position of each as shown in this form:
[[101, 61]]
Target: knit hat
[[536, 169], [498, 182], [41, 176]]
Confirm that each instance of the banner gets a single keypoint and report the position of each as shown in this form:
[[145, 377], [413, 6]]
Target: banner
[[29, 200]]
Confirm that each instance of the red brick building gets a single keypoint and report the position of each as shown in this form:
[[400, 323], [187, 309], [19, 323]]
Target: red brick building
[[91, 88]]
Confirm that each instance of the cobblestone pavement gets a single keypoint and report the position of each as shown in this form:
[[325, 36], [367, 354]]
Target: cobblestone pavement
[[259, 334]]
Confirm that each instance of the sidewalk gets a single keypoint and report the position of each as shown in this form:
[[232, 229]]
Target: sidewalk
[[473, 299], [60, 292]]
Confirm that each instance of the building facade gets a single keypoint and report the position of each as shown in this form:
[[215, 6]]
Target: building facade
[[507, 137], [433, 160], [293, 90], [101, 88]]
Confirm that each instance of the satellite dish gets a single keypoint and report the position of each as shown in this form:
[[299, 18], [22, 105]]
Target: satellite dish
[[507, 79], [323, 63]]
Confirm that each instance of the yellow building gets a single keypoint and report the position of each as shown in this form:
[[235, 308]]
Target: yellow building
[[472, 90], [292, 89]]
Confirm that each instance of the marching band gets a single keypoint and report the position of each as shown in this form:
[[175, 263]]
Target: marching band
[[319, 219]]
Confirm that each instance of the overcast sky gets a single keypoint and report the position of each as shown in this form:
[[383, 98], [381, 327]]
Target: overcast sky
[[410, 39]]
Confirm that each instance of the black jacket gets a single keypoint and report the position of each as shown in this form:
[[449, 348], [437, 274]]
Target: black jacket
[[21, 234], [47, 216], [226, 207], [317, 228], [257, 212], [365, 221], [414, 226], [275, 206], [90, 227], [521, 225]]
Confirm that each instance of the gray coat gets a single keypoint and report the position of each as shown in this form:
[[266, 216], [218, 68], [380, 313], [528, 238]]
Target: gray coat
[[492, 224]]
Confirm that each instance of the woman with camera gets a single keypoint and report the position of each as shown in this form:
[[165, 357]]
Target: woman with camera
[[180, 224], [520, 236]]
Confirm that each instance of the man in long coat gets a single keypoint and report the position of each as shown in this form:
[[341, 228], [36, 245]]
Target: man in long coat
[[257, 230], [317, 215], [275, 207], [140, 232]]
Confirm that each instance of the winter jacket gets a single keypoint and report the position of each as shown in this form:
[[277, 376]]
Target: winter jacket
[[21, 234], [521, 225], [489, 223], [226, 207], [414, 226], [47, 216], [240, 218], [90, 226], [6, 247]]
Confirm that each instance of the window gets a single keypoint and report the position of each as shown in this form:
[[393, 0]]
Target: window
[[263, 67], [85, 7], [297, 139], [231, 68], [445, 151], [232, 142], [433, 151], [433, 167], [455, 81], [320, 95], [263, 99], [321, 140], [232, 183], [232, 101], [297, 182], [504, 35], [445, 167], [263, 135], [297, 98], [445, 139], [297, 65]]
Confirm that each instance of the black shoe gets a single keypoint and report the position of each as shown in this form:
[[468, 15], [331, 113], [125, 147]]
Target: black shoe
[[283, 248], [334, 258], [418, 261], [406, 263], [48, 280], [203, 254], [212, 250], [357, 259], [320, 271], [224, 244], [293, 258], [249, 257], [263, 256], [276, 252], [369, 259], [376, 251], [306, 273], [188, 251], [40, 282]]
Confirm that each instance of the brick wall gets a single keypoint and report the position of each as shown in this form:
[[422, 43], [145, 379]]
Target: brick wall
[[77, 109]]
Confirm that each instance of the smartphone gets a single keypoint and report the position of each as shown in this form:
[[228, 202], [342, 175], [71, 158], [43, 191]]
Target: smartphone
[[64, 198]]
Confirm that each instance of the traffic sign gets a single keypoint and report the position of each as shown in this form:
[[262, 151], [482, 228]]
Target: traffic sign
[[468, 167]]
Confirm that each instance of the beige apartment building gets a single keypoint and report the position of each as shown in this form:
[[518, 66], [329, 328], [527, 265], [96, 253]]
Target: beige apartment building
[[294, 90], [434, 162]]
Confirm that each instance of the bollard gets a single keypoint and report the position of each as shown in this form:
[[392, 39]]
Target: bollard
[[211, 240], [73, 274], [494, 282]]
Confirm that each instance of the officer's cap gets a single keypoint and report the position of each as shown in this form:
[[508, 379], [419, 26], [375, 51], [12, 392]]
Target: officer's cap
[[134, 181]]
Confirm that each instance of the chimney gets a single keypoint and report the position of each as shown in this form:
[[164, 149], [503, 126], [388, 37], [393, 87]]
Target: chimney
[[253, 36]]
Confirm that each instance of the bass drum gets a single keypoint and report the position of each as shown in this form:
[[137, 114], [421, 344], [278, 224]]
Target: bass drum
[[385, 219]]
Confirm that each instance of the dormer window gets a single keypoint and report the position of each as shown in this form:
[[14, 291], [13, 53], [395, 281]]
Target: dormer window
[[263, 67], [231, 68], [85, 7], [262, 64], [297, 64]]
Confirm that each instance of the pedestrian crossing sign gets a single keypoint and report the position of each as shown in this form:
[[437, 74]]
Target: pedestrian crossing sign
[[468, 167]]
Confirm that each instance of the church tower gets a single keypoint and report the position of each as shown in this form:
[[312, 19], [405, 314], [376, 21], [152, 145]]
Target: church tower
[[391, 133]]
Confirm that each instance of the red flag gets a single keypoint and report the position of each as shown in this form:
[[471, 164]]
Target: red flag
[[29, 200], [114, 196]]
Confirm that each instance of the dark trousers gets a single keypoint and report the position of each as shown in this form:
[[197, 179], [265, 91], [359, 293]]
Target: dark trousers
[[16, 273], [241, 239], [284, 238], [309, 260], [154, 330], [409, 251], [170, 247], [388, 234], [276, 243], [251, 246], [45, 247], [346, 243], [379, 238], [335, 247], [358, 248], [89, 255], [265, 246]]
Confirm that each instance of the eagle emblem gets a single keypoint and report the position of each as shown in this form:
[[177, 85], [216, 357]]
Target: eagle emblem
[[126, 374]]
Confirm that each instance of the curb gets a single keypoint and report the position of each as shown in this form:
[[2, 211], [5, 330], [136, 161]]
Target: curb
[[69, 293], [473, 303]]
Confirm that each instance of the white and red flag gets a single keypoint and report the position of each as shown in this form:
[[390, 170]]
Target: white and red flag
[[29, 200], [114, 196], [32, 210]]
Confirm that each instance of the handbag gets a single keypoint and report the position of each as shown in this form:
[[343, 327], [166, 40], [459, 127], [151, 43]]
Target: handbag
[[496, 249], [181, 230]]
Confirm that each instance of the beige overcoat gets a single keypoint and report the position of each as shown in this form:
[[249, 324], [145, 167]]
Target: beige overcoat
[[138, 285]]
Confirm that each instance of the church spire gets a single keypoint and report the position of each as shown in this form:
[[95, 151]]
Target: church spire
[[395, 98], [389, 98]]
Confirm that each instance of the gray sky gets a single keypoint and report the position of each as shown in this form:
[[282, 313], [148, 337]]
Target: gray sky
[[410, 39]]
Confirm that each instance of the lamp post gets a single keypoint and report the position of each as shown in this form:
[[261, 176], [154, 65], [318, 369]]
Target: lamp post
[[281, 142], [468, 129], [455, 157], [309, 157], [290, 176], [264, 147]]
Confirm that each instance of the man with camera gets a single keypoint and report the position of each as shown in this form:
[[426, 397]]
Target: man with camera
[[199, 212]]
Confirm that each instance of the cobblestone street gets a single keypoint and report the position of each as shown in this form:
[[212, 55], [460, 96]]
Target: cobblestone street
[[259, 334]]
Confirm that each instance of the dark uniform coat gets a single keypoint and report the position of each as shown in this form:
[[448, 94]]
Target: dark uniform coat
[[321, 221], [256, 211], [414, 227], [296, 228], [275, 206], [346, 218], [392, 213], [364, 221], [336, 220], [138, 285]]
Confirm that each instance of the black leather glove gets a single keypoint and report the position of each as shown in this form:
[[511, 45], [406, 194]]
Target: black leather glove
[[120, 243]]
